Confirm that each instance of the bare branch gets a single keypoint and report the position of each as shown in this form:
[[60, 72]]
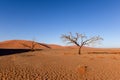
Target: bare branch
[[70, 39], [83, 39], [93, 40]]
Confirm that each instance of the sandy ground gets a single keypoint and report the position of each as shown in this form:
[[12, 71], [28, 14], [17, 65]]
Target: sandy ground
[[59, 65]]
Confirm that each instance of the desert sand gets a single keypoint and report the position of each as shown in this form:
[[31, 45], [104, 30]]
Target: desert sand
[[62, 64]]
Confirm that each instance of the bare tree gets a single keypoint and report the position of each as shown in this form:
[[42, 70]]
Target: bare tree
[[31, 46], [80, 40]]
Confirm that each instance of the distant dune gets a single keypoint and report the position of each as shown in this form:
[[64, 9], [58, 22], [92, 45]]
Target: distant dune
[[55, 46], [22, 44], [26, 44]]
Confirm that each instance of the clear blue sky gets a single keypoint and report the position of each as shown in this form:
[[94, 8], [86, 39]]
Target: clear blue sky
[[46, 20]]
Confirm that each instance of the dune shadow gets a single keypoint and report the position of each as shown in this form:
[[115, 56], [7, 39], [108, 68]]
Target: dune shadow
[[14, 51]]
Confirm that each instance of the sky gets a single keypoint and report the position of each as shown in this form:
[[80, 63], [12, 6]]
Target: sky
[[46, 20]]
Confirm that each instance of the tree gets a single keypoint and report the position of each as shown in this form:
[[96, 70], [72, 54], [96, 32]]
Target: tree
[[80, 40], [31, 46]]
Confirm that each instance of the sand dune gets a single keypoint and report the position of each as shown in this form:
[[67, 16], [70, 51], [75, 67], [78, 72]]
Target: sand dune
[[59, 63], [54, 46], [26, 44], [22, 44]]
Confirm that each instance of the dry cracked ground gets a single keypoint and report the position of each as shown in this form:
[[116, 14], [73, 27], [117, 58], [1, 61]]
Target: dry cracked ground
[[59, 65]]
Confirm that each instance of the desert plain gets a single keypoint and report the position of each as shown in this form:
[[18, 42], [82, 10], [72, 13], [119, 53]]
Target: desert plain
[[54, 62]]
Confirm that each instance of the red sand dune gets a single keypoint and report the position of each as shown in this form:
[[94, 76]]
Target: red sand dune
[[21, 44], [26, 44], [54, 46], [59, 64]]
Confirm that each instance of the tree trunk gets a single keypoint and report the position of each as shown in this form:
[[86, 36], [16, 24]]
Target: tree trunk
[[33, 46], [79, 50]]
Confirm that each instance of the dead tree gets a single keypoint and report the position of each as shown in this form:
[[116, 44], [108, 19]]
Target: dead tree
[[31, 46], [80, 40]]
